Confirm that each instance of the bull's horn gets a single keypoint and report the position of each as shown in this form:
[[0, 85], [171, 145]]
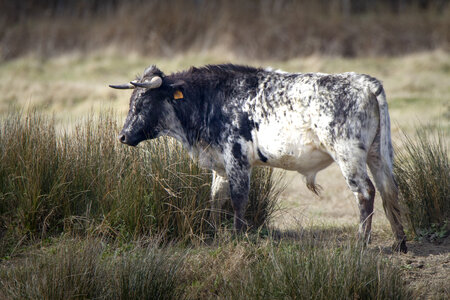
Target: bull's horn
[[154, 83], [122, 86]]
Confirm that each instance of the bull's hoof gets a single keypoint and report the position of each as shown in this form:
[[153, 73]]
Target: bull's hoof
[[400, 247], [364, 238], [241, 229]]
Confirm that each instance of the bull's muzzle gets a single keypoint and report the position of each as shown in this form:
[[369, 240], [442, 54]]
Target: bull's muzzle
[[122, 138], [125, 139]]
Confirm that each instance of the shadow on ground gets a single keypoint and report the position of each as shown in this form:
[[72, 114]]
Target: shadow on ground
[[422, 248]]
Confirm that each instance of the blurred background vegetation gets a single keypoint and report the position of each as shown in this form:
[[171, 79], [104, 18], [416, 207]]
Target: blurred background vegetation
[[266, 29]]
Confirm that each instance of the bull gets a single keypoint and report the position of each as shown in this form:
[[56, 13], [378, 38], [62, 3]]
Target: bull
[[232, 118]]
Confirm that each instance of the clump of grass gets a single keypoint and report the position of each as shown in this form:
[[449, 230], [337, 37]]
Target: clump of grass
[[317, 266], [90, 269], [305, 272], [146, 272], [422, 171], [86, 182]]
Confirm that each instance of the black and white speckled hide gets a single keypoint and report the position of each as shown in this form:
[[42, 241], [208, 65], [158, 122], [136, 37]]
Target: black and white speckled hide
[[232, 118]]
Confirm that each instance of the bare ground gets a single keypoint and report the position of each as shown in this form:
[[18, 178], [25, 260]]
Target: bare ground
[[426, 267]]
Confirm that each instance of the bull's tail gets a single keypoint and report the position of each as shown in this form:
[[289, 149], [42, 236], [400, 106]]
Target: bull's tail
[[386, 150], [382, 168]]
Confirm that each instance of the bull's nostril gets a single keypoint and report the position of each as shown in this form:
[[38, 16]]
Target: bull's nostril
[[122, 138]]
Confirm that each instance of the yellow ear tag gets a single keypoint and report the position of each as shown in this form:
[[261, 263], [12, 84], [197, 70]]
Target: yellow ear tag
[[178, 95]]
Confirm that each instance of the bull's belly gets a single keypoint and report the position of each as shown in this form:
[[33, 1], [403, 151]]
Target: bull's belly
[[293, 147], [306, 161]]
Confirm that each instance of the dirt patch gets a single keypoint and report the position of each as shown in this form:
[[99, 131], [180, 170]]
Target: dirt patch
[[426, 266]]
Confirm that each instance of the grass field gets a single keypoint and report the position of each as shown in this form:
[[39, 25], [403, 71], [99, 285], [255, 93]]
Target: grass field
[[308, 234], [71, 85]]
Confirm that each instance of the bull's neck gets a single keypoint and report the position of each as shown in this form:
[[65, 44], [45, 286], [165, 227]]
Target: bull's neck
[[201, 120]]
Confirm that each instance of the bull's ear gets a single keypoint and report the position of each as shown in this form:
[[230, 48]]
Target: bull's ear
[[178, 89], [178, 84]]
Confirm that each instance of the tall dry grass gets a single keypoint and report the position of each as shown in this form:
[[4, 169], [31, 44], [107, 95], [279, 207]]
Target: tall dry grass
[[271, 29], [422, 170], [90, 269], [85, 182], [309, 270]]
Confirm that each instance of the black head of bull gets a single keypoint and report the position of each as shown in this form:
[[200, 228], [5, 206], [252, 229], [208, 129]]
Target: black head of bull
[[149, 107]]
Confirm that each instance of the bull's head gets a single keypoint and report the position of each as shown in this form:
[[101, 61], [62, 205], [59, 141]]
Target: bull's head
[[149, 107]]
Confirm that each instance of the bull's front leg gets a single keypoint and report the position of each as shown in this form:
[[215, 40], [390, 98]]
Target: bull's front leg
[[239, 188], [238, 173], [220, 193]]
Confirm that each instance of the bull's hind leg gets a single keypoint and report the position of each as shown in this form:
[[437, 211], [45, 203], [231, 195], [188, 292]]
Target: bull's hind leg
[[353, 167], [386, 185]]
